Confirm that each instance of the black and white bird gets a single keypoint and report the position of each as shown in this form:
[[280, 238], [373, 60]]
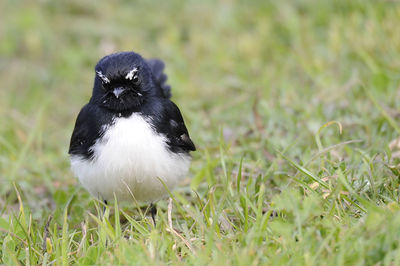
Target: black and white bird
[[130, 135]]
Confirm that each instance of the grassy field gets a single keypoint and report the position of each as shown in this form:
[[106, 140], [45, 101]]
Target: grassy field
[[293, 105]]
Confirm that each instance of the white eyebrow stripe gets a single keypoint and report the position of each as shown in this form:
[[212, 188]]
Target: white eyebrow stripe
[[103, 77], [131, 73]]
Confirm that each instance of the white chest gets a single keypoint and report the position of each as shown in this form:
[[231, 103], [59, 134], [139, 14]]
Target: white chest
[[129, 161]]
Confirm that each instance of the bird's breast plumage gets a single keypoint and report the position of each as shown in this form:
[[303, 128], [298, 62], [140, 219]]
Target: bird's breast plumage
[[130, 160]]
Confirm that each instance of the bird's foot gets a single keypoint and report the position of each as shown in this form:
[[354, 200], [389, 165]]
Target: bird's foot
[[153, 212]]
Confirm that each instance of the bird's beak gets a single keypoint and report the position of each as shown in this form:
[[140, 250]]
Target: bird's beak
[[118, 91]]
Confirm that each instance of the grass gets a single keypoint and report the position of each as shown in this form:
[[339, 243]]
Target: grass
[[293, 106]]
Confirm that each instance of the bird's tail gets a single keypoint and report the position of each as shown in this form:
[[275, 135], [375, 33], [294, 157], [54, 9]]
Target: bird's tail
[[157, 67]]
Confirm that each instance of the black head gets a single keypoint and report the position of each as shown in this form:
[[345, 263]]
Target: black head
[[123, 82]]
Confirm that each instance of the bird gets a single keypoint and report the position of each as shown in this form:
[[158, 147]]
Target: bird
[[130, 140]]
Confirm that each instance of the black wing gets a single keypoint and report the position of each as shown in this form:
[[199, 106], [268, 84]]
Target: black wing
[[157, 67], [87, 130], [176, 131]]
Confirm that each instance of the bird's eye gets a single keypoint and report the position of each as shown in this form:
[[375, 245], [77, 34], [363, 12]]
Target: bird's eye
[[133, 76], [136, 80]]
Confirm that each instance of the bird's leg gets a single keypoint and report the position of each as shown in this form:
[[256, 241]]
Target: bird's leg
[[104, 207], [153, 212], [104, 213]]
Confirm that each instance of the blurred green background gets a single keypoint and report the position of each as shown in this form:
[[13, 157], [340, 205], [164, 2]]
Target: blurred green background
[[251, 78]]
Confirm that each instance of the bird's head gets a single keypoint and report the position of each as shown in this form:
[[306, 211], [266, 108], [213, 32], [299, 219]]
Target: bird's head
[[123, 82]]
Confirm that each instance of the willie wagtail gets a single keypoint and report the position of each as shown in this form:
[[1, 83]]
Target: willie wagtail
[[130, 135]]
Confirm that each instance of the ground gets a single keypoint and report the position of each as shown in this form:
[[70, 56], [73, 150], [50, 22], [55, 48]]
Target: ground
[[293, 106]]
